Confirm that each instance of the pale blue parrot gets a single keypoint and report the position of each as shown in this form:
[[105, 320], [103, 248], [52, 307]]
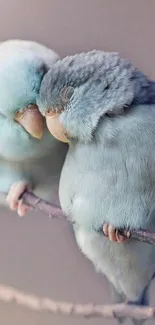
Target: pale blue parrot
[[29, 157], [105, 109]]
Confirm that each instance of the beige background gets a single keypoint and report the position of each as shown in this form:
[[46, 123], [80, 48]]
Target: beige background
[[39, 255]]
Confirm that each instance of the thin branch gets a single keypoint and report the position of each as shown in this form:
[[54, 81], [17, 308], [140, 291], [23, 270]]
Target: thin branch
[[55, 212], [35, 202], [9, 294]]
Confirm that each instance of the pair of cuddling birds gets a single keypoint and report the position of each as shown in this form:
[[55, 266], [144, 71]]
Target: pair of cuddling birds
[[101, 112]]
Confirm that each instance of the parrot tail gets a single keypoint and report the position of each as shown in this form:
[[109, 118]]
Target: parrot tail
[[142, 301], [117, 298]]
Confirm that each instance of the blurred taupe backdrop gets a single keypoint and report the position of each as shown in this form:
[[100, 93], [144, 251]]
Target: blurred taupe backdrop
[[39, 255]]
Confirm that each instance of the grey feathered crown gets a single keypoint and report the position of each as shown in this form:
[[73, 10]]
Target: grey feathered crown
[[103, 83]]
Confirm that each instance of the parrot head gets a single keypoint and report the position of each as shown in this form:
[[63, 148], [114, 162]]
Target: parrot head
[[21, 73], [80, 90], [20, 80]]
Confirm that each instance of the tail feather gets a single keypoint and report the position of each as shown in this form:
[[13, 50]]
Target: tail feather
[[142, 301], [117, 298]]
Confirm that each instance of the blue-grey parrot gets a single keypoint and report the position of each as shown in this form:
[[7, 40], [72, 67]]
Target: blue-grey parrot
[[29, 157], [104, 108]]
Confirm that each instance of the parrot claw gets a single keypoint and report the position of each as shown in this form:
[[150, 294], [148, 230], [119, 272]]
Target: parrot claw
[[113, 234], [14, 200]]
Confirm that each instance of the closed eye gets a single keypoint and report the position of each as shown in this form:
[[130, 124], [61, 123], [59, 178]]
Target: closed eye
[[66, 94]]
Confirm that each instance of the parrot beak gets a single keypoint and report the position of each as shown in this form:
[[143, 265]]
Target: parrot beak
[[55, 127], [31, 120]]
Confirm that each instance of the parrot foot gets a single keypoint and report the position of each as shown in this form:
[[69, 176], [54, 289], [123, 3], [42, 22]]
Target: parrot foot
[[113, 234], [14, 200]]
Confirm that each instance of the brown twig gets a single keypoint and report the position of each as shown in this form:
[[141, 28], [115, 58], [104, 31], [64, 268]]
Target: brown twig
[[55, 212], [35, 202], [9, 294]]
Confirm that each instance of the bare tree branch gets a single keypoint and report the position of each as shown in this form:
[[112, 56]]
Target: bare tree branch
[[35, 202], [9, 294], [55, 212]]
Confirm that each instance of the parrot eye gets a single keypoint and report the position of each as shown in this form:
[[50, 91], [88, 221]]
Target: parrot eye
[[66, 94]]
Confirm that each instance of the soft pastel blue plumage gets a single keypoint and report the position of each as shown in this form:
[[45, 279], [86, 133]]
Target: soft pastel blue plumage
[[22, 157], [109, 172]]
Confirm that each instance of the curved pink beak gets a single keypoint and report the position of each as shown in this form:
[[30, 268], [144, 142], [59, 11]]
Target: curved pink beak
[[32, 121], [55, 127]]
